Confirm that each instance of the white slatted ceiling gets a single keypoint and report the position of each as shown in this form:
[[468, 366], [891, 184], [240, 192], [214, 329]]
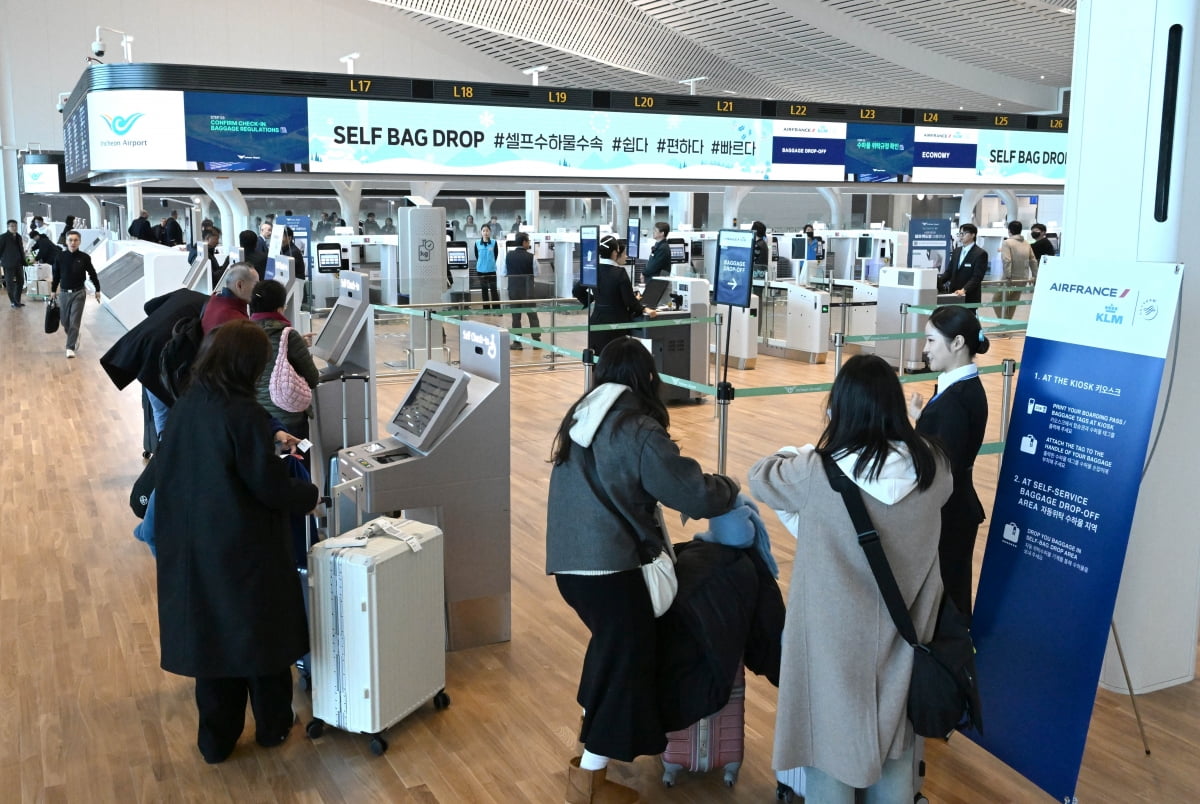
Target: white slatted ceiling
[[759, 48]]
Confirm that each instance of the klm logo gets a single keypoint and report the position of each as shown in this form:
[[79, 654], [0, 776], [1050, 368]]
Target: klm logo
[[1109, 316], [121, 125]]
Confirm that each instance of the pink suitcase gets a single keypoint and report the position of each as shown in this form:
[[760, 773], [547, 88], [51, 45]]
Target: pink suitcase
[[717, 740]]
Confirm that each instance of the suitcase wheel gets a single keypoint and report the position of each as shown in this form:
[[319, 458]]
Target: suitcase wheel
[[784, 793], [670, 772], [441, 701], [315, 728], [378, 745], [731, 773]]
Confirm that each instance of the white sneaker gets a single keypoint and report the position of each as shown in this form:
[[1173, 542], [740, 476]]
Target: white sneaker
[[70, 353]]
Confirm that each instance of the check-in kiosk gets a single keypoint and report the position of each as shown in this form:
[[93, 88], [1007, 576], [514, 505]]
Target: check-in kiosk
[[681, 351], [916, 287], [460, 271], [199, 276], [284, 272], [445, 461], [344, 399], [123, 280]]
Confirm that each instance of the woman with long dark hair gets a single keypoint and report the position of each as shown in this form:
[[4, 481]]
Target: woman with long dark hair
[[230, 611], [843, 688], [613, 300], [614, 462], [956, 416]]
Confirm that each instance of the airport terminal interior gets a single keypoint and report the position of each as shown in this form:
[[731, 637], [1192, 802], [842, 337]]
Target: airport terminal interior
[[453, 423]]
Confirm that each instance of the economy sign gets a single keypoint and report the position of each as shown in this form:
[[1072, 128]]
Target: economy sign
[[1076, 446]]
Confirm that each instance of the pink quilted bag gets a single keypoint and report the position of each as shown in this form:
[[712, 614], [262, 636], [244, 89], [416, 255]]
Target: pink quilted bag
[[289, 391]]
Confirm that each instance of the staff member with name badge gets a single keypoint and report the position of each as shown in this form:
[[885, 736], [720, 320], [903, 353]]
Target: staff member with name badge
[[71, 268]]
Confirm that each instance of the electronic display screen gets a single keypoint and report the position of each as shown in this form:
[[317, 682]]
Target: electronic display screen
[[456, 254], [339, 318], [589, 255], [427, 395], [329, 257], [121, 273], [799, 248], [40, 178], [655, 290], [679, 249], [635, 237]]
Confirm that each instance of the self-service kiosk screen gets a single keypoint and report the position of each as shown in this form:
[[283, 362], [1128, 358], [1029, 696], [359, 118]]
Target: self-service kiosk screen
[[635, 237], [456, 254], [799, 248], [430, 406], [654, 292], [196, 273], [679, 249], [339, 318], [329, 260]]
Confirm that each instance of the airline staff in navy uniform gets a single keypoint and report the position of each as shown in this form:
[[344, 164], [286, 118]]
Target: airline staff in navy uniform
[[518, 264], [659, 262], [957, 417], [613, 300], [966, 268]]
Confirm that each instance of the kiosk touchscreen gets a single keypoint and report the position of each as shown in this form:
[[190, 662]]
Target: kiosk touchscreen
[[653, 293], [427, 411], [329, 258], [679, 249], [336, 337]]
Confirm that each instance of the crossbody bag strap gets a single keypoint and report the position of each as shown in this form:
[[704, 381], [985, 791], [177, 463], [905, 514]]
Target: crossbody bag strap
[[599, 494], [868, 539]]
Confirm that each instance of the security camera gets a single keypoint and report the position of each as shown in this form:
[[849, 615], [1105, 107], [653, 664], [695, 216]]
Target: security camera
[[59, 107], [98, 48]]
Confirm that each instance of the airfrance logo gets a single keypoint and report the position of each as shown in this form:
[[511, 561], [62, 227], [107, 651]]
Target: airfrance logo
[[121, 125], [1090, 290], [470, 336]]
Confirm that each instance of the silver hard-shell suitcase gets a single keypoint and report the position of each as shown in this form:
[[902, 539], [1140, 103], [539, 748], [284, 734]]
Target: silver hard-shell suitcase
[[377, 626]]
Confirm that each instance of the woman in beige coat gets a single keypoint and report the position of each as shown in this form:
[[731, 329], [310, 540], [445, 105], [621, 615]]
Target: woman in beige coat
[[845, 672]]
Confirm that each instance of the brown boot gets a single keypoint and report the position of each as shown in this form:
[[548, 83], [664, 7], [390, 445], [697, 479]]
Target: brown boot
[[593, 787]]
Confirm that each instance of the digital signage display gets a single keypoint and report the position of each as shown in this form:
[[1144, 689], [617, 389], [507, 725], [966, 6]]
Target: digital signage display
[[230, 132], [589, 255], [39, 178], [878, 153]]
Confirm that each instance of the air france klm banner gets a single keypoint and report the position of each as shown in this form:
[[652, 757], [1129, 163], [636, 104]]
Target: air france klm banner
[[1090, 373]]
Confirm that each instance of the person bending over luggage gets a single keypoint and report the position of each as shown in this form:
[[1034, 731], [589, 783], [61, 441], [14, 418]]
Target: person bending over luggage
[[266, 309], [230, 612], [845, 671], [614, 462]]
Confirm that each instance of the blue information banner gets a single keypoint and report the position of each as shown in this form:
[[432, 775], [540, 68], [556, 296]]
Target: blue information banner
[[233, 132], [734, 247], [1076, 445], [635, 237], [879, 153], [589, 255]]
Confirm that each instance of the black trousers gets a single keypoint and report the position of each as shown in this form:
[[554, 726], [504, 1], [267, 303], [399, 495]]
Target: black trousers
[[956, 552], [520, 288], [221, 704], [618, 686], [14, 282], [487, 287]]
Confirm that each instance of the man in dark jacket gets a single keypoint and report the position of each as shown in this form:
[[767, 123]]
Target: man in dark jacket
[[142, 229], [172, 232], [71, 269], [135, 354], [12, 259], [518, 264], [966, 268], [248, 240]]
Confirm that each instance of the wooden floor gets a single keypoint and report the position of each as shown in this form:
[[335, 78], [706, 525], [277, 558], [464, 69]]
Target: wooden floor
[[86, 715]]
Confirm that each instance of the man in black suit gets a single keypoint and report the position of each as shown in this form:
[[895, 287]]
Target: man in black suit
[[1042, 247], [967, 266], [518, 264]]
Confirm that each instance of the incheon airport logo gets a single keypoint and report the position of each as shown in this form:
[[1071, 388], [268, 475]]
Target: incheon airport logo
[[121, 125]]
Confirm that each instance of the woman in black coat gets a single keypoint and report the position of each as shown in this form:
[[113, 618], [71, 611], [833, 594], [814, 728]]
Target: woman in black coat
[[613, 300], [957, 417], [230, 610]]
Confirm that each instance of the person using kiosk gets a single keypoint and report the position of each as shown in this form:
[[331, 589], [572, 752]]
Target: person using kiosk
[[613, 300]]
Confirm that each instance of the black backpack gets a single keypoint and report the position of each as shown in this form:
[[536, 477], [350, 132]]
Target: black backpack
[[177, 355]]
